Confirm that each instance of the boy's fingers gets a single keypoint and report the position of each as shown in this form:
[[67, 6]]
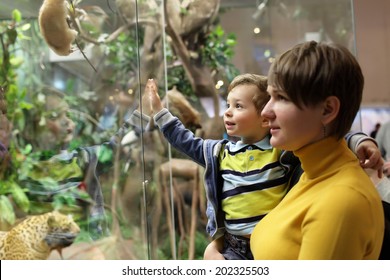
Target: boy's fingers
[[380, 173]]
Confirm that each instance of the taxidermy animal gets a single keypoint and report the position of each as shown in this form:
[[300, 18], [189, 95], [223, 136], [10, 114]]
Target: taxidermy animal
[[182, 109], [36, 236], [54, 25]]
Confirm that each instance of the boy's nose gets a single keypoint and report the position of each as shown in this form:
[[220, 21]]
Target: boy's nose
[[228, 112]]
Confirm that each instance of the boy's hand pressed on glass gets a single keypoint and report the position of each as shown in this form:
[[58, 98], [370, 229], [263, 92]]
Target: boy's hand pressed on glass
[[154, 99]]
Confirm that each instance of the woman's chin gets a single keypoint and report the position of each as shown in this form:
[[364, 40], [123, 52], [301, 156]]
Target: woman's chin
[[276, 143]]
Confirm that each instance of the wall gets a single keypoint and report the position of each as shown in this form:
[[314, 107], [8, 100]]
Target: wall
[[372, 25], [372, 29]]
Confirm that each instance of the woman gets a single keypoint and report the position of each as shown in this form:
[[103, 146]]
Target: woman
[[334, 211]]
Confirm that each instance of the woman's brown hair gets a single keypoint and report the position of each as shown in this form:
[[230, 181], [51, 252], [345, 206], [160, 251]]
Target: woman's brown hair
[[310, 72]]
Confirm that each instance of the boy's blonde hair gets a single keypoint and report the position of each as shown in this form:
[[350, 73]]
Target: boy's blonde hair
[[259, 81]]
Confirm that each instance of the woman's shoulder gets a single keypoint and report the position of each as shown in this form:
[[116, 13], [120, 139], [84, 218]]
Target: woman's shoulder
[[351, 185]]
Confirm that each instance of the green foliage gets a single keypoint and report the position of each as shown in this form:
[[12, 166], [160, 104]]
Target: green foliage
[[22, 157], [70, 198], [11, 33], [105, 154], [178, 77], [120, 66], [201, 242], [20, 198], [218, 52], [6, 209], [122, 56]]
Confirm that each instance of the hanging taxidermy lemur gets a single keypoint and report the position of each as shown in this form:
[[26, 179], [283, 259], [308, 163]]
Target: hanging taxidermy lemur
[[55, 18]]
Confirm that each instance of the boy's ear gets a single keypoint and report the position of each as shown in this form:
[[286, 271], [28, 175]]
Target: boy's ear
[[331, 109]]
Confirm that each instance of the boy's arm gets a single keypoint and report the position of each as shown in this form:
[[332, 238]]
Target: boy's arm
[[181, 138], [366, 150]]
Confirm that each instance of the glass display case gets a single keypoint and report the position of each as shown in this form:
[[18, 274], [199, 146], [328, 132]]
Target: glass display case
[[83, 153]]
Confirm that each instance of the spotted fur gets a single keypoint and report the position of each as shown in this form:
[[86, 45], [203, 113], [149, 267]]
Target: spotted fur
[[36, 236]]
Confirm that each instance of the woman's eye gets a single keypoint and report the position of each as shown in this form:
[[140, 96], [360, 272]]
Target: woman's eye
[[282, 97]]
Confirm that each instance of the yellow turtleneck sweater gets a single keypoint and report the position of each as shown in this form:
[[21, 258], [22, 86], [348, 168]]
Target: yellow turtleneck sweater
[[333, 212]]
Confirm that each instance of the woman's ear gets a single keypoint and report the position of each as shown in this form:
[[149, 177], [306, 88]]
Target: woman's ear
[[331, 109]]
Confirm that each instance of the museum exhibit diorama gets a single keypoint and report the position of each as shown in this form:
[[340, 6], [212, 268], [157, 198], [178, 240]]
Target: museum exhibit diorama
[[99, 183]]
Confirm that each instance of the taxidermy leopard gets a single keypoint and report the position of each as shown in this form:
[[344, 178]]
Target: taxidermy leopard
[[36, 236]]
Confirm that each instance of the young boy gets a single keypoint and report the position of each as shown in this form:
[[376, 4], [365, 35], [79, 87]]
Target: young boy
[[244, 180]]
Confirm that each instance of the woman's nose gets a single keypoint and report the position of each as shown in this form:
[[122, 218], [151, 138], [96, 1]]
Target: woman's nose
[[267, 110]]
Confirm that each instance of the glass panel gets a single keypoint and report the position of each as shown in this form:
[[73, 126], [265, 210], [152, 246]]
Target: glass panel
[[59, 147], [72, 147]]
